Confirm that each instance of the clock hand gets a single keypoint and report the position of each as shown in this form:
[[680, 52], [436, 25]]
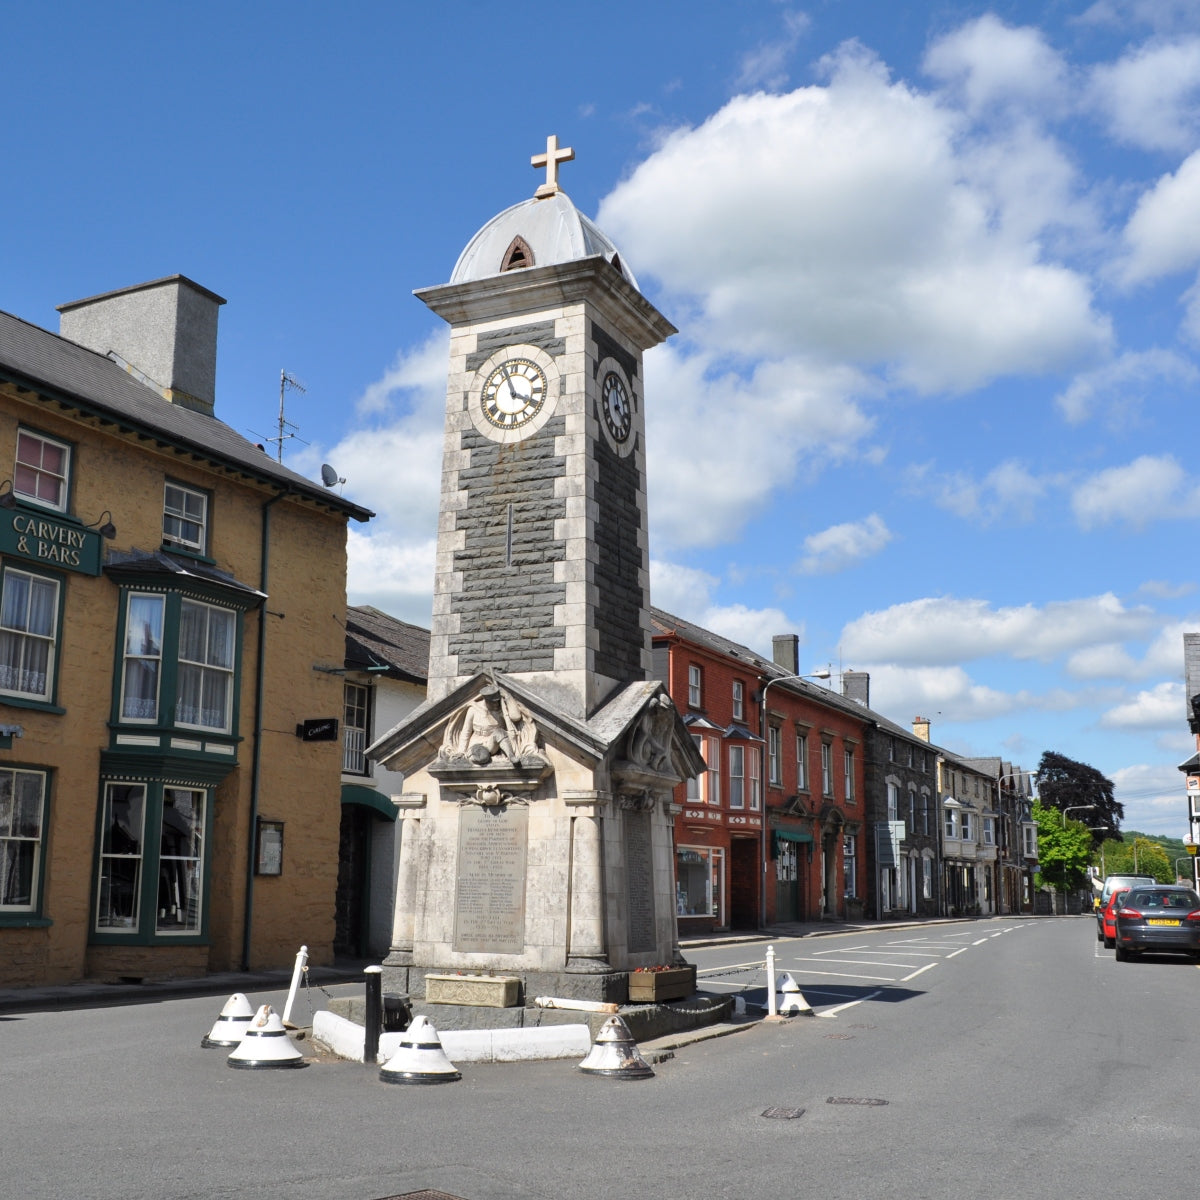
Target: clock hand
[[512, 391]]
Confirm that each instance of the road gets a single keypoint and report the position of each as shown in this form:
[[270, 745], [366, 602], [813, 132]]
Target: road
[[989, 1058]]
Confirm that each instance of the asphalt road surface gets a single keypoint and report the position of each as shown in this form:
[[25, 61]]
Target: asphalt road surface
[[990, 1058]]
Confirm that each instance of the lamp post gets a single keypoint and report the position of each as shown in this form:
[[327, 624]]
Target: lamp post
[[1075, 808], [824, 673]]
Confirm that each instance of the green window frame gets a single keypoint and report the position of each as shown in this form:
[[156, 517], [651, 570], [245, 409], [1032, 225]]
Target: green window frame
[[153, 863], [30, 626], [180, 663], [24, 812]]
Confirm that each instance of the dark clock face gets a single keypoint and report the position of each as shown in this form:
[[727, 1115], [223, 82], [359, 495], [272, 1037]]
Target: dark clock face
[[513, 394], [618, 416]]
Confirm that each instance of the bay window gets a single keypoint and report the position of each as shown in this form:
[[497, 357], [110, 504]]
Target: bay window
[[22, 839]]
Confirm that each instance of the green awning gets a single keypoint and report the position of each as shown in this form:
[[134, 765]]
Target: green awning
[[355, 793], [787, 835]]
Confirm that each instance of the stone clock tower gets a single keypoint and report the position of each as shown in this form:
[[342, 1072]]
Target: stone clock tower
[[542, 567], [537, 820]]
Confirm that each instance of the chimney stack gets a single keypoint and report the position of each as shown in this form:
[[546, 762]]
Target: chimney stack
[[921, 728], [785, 652], [164, 333], [856, 686]]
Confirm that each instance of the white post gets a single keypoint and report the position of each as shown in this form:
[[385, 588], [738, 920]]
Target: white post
[[771, 1010], [297, 971]]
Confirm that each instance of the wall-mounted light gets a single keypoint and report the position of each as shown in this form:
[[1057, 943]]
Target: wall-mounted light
[[108, 530], [7, 499]]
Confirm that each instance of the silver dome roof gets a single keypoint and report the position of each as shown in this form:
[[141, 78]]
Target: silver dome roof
[[553, 230]]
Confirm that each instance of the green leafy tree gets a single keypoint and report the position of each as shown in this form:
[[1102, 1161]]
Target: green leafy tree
[[1139, 856], [1064, 849], [1063, 783]]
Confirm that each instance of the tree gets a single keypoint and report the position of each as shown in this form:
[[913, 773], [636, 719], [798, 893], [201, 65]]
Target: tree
[[1140, 856], [1064, 783], [1064, 849]]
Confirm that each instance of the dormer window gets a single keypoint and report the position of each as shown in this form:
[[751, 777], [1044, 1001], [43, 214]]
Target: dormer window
[[517, 255]]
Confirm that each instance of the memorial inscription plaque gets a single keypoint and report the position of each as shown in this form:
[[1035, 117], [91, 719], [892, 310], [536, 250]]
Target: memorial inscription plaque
[[639, 871], [489, 894]]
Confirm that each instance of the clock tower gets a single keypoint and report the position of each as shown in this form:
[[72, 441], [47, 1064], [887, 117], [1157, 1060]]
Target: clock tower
[[542, 564], [537, 817]]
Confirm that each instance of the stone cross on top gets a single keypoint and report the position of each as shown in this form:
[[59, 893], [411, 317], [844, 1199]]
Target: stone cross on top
[[550, 161]]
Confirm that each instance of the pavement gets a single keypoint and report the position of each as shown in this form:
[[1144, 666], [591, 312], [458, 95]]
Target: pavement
[[92, 994]]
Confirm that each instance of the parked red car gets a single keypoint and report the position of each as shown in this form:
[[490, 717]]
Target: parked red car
[[1107, 930]]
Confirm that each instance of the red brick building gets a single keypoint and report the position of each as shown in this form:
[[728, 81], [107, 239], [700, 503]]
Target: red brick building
[[775, 828]]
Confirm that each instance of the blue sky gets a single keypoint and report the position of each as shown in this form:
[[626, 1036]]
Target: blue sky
[[934, 268]]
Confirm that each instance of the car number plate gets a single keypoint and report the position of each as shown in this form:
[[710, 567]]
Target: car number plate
[[1160, 921]]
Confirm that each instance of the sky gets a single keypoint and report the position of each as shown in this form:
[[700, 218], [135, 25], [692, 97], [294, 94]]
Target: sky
[[934, 268]]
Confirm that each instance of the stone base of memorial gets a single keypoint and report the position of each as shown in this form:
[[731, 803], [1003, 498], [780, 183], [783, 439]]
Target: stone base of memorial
[[482, 991], [653, 987]]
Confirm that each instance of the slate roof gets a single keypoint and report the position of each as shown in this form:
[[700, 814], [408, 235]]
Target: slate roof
[[62, 370], [374, 639]]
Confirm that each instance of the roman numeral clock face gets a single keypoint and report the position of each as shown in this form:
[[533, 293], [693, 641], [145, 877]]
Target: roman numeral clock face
[[513, 394]]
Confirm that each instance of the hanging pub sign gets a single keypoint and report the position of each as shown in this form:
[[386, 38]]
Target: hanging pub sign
[[1193, 785], [50, 542], [320, 729]]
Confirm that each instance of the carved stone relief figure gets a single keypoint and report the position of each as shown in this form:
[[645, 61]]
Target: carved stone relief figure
[[650, 739], [493, 725]]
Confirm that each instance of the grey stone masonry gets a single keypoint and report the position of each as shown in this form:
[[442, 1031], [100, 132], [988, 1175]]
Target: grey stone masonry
[[506, 617], [538, 333]]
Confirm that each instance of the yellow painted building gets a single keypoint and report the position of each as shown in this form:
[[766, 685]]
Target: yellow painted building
[[171, 638]]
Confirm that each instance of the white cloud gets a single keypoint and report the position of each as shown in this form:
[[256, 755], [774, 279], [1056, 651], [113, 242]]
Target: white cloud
[[1151, 95], [1151, 488], [687, 592], [942, 631], [929, 690], [843, 222], [843, 546], [1008, 491], [1112, 660], [991, 64], [1121, 386], [766, 65], [393, 573], [1159, 708], [1162, 237], [742, 436], [1152, 797], [1162, 589]]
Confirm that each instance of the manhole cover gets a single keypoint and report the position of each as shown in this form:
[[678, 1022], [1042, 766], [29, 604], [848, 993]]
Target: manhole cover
[[783, 1114], [422, 1195], [866, 1100]]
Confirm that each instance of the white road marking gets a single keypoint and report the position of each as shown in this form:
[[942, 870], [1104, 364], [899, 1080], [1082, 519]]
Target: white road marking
[[919, 971], [979, 942], [861, 962], [958, 952], [845, 975], [833, 1012]]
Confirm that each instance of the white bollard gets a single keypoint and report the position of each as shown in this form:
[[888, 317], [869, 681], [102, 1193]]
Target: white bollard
[[771, 1009], [297, 971]]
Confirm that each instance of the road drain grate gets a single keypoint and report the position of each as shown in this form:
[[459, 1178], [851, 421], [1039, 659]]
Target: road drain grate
[[782, 1114], [865, 1100]]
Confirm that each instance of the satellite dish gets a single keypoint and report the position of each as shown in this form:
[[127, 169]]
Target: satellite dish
[[329, 477]]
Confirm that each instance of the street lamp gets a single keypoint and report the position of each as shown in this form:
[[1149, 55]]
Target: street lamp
[[823, 673], [1075, 808]]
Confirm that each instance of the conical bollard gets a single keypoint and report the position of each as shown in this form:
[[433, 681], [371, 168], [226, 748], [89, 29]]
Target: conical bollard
[[419, 1058], [233, 1022], [266, 1044], [614, 1053], [789, 1000]]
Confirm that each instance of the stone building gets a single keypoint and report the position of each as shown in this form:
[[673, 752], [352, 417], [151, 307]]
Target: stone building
[[172, 603]]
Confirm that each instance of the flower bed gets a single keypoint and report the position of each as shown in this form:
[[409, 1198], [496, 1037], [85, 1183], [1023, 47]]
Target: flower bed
[[651, 985]]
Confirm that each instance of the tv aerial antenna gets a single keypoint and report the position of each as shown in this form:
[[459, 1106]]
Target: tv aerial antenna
[[285, 426]]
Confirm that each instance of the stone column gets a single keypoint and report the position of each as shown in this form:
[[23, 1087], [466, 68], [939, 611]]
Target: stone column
[[404, 915], [586, 950]]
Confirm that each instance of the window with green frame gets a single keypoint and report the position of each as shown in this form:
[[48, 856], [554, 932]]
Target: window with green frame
[[153, 862], [179, 662], [22, 840], [30, 608]]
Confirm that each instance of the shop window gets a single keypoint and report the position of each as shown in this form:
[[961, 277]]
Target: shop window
[[850, 862], [927, 878], [354, 729], [700, 882], [152, 862], [29, 616], [22, 840], [185, 518], [41, 471], [183, 649]]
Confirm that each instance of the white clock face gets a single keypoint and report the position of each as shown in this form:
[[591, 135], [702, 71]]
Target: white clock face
[[618, 416], [513, 394]]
